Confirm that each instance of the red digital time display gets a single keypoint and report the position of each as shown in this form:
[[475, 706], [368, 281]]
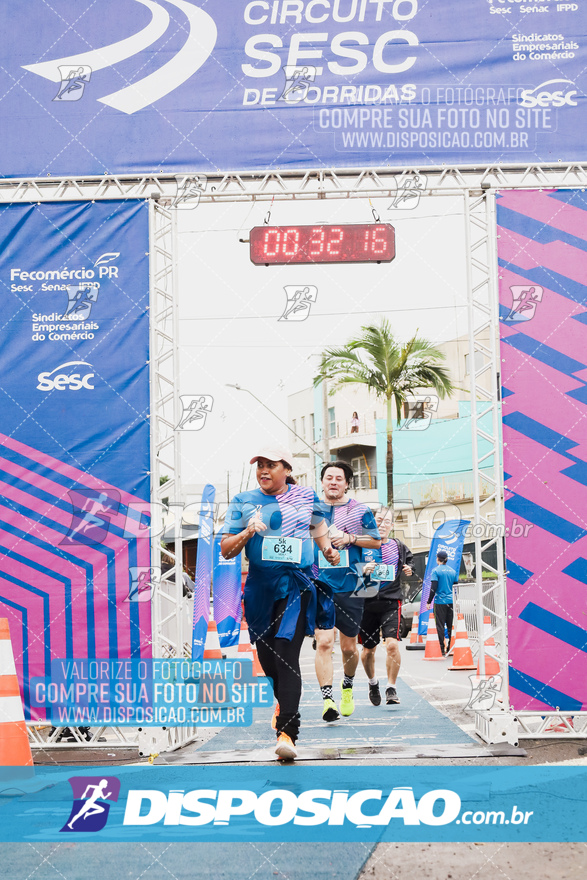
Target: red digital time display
[[346, 243]]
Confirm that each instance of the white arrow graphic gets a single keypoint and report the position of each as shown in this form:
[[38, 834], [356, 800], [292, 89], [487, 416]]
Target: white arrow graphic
[[97, 59], [194, 52]]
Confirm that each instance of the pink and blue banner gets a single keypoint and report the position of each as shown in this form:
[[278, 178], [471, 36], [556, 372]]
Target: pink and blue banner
[[227, 591], [74, 432], [543, 307], [450, 537], [203, 573]]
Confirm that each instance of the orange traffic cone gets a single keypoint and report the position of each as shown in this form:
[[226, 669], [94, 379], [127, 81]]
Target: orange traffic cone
[[462, 654], [415, 637], [244, 646], [257, 668], [15, 750], [212, 650], [244, 639], [433, 650], [491, 664], [416, 642], [451, 641]]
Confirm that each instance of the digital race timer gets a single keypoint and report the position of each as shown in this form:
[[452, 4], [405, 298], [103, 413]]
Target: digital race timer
[[346, 243]]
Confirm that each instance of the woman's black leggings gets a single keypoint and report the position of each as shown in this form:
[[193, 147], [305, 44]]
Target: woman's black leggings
[[280, 660]]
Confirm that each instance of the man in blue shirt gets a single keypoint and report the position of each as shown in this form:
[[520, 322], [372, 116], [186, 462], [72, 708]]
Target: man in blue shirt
[[441, 584]]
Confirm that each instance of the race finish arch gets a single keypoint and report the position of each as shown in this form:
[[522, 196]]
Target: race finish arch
[[177, 105]]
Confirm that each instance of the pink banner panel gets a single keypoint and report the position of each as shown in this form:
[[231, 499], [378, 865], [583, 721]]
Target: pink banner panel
[[542, 251], [65, 582]]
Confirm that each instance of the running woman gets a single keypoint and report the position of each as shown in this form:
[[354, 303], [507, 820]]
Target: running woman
[[274, 524], [340, 603], [383, 610]]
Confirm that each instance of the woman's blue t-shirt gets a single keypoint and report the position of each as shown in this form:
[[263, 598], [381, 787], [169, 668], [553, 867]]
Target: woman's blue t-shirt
[[288, 515]]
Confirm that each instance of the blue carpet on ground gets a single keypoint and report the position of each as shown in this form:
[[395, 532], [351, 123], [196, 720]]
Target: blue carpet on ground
[[413, 722]]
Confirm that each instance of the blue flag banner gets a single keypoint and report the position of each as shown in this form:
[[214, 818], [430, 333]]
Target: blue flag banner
[[134, 86], [450, 537], [227, 596], [203, 573]]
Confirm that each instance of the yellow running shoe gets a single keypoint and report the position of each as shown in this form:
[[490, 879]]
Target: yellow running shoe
[[274, 719], [330, 712], [285, 751], [347, 704]]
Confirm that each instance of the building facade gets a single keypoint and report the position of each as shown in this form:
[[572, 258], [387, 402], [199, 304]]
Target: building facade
[[432, 448]]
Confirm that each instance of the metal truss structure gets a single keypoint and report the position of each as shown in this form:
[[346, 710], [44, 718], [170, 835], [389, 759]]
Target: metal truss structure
[[488, 525], [269, 185], [169, 638], [477, 186], [44, 737]]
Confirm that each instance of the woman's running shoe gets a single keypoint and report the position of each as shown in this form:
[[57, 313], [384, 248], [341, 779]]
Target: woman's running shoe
[[285, 751]]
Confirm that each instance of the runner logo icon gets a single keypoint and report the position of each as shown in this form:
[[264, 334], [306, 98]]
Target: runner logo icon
[[80, 299], [73, 82], [297, 83], [195, 51], [525, 299], [195, 409], [485, 689], [90, 802], [298, 302]]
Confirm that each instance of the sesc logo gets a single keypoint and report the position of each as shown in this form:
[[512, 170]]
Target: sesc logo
[[70, 378], [539, 97]]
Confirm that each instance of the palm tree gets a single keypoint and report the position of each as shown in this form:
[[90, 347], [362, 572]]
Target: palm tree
[[392, 371]]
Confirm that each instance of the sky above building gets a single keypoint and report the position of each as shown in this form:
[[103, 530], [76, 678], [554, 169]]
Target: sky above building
[[231, 313]]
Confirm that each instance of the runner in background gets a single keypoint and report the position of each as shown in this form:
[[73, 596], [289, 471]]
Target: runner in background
[[274, 524], [383, 611], [352, 528], [441, 583]]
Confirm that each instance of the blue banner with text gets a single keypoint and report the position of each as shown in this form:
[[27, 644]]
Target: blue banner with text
[[138, 86]]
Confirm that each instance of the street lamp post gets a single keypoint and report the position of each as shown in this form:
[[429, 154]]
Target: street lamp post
[[240, 388]]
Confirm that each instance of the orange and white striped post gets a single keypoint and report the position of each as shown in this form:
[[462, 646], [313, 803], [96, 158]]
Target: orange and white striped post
[[415, 637], [244, 639], [462, 656], [416, 642], [491, 662], [212, 649], [15, 750]]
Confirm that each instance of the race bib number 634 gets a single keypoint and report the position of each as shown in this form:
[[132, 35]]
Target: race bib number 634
[[282, 549]]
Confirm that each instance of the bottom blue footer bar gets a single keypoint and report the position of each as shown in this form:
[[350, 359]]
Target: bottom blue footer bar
[[293, 803]]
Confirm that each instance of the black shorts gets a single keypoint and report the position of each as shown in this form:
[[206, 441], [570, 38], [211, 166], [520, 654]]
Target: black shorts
[[341, 610], [383, 615]]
